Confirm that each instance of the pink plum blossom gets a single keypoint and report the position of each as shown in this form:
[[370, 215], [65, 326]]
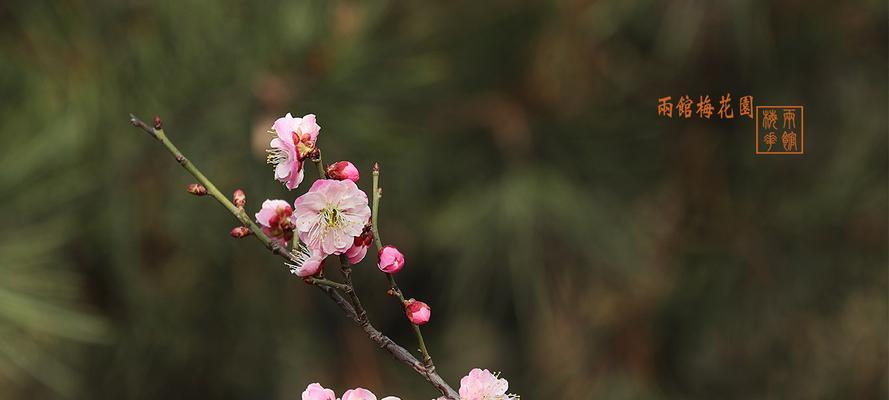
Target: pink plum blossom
[[390, 260], [359, 247], [317, 392], [343, 170], [308, 262], [417, 312], [330, 215], [275, 218], [481, 384], [359, 394], [294, 141]]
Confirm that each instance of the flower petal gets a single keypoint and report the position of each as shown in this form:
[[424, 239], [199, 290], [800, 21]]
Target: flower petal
[[285, 126]]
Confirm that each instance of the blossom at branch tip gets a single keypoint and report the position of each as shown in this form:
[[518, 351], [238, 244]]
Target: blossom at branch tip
[[417, 312], [343, 170], [330, 215], [360, 245], [294, 141], [317, 392], [275, 218], [481, 384], [390, 260]]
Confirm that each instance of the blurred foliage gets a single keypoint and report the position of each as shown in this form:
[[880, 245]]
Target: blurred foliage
[[563, 233]]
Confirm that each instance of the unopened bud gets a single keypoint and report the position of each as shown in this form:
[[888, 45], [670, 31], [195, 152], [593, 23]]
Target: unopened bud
[[343, 170], [376, 167], [239, 198], [197, 189], [240, 231], [390, 260], [158, 124], [417, 312]]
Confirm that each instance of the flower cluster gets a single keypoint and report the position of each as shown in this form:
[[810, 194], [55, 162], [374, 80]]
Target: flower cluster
[[331, 218], [334, 218], [479, 384], [317, 392]]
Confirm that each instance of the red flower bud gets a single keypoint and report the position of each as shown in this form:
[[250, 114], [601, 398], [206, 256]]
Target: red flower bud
[[197, 189], [240, 231], [343, 170], [239, 198], [417, 312], [158, 124]]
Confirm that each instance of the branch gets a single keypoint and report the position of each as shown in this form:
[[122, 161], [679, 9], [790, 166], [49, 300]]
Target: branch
[[353, 310], [393, 286]]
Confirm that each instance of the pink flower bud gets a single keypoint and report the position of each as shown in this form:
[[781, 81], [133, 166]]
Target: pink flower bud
[[197, 189], [417, 312], [240, 231], [343, 170], [158, 124], [390, 260], [239, 198]]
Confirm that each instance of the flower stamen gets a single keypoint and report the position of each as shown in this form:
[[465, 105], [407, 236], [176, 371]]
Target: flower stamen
[[300, 254], [276, 156]]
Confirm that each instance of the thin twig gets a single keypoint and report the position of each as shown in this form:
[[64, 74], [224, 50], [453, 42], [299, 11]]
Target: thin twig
[[393, 286]]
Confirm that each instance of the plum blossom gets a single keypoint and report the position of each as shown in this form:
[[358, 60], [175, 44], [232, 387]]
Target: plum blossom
[[359, 394], [390, 260], [317, 392], [359, 247], [294, 141], [275, 218], [330, 215], [308, 262], [481, 384]]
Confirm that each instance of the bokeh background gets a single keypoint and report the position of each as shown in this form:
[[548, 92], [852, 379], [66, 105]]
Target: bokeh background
[[563, 233]]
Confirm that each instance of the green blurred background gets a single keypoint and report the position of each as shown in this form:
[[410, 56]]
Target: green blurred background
[[563, 233]]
